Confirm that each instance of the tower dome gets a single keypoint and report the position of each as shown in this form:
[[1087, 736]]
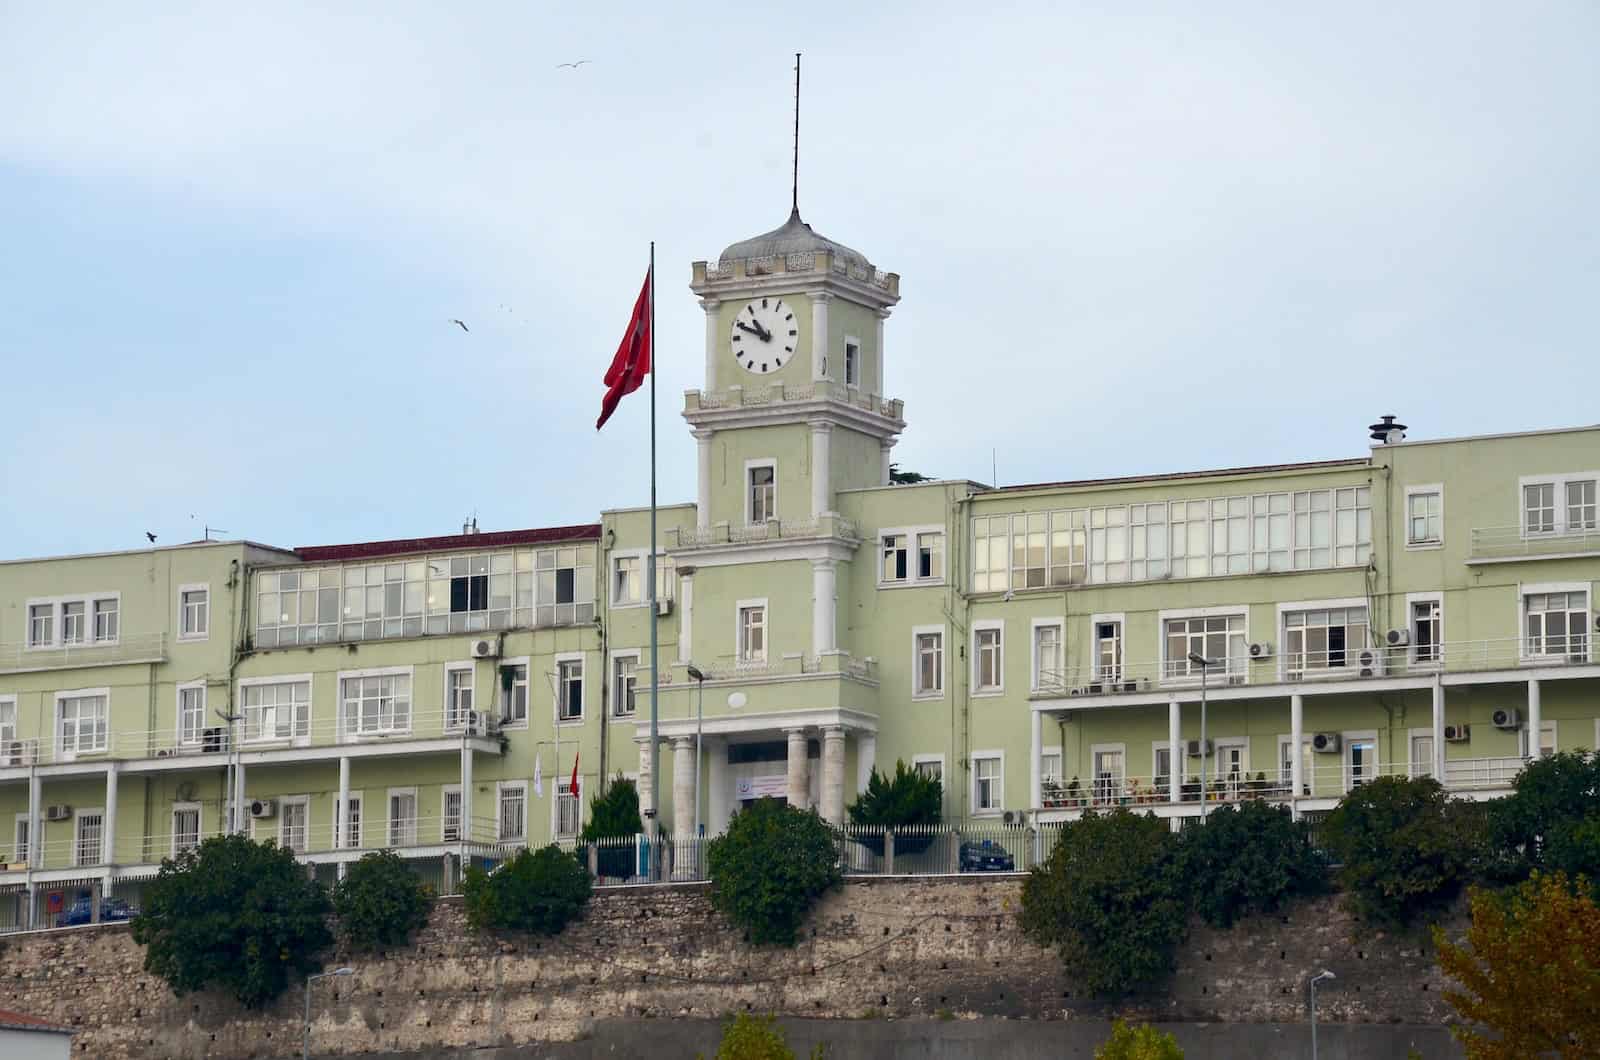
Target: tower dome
[[793, 237]]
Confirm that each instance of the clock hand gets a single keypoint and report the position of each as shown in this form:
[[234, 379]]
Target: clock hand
[[747, 329]]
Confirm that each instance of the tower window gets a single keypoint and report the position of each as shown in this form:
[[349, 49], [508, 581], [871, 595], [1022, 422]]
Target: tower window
[[763, 492], [852, 363]]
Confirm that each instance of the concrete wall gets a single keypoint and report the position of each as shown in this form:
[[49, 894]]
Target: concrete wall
[[893, 949]]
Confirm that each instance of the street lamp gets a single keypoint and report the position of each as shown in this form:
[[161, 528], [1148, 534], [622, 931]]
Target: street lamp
[[1205, 665], [1319, 977], [305, 1031], [699, 732]]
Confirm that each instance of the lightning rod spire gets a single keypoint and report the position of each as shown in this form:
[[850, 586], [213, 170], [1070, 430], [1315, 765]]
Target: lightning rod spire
[[794, 201]]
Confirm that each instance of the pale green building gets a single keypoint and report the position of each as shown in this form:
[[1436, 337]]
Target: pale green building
[[1426, 607]]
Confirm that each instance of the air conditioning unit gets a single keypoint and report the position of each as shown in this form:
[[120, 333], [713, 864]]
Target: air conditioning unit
[[1597, 622], [17, 753], [481, 723], [1198, 748], [59, 812], [1370, 663], [214, 740], [1326, 742], [487, 648], [1397, 638], [165, 752], [1457, 733], [1011, 817], [664, 607], [1260, 650], [1507, 718], [1126, 686], [260, 808], [1076, 691]]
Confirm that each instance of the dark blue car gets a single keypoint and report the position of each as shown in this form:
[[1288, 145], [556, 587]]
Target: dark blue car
[[986, 856], [82, 911]]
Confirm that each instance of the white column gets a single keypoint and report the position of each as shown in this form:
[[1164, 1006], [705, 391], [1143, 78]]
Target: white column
[[1035, 781], [866, 757], [35, 797], [713, 341], [1533, 719], [820, 369], [466, 793], [1175, 749], [824, 605], [716, 782], [833, 774], [342, 814], [682, 787], [821, 468], [1297, 758], [645, 805], [799, 776], [877, 371], [888, 447], [1438, 730], [702, 439], [241, 808], [685, 613], [108, 823]]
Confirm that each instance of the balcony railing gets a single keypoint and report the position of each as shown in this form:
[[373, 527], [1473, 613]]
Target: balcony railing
[[771, 530], [736, 397], [1514, 542], [136, 647]]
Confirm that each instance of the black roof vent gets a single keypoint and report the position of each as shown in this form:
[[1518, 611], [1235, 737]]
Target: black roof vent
[[1387, 431]]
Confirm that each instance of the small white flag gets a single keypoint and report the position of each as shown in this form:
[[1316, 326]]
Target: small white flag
[[538, 776]]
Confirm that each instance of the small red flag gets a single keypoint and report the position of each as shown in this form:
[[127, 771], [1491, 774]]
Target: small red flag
[[573, 787], [632, 361]]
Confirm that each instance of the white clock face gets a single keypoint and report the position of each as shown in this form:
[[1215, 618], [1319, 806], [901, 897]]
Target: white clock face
[[764, 335]]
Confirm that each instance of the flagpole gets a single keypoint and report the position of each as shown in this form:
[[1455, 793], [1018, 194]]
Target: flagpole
[[655, 667]]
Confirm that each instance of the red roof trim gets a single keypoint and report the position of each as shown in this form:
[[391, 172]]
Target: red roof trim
[[1260, 469], [17, 1021], [448, 543]]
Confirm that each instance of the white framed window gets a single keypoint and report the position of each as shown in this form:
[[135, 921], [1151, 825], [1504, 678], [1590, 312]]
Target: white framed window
[[1107, 648], [1049, 658], [988, 658], [191, 713], [988, 783], [1161, 768], [911, 555], [20, 846], [1555, 622], [760, 491], [1425, 516], [1425, 624], [927, 670], [1050, 765], [852, 361], [624, 683], [374, 702], [896, 557], [41, 625], [194, 612], [107, 620], [1580, 502], [458, 681], [514, 689], [1323, 638], [1286, 764], [88, 834], [349, 836], [1360, 758], [930, 766], [930, 555], [1231, 755], [450, 829], [627, 579], [74, 621], [751, 632], [1110, 771], [569, 687], [1555, 505], [293, 819], [569, 807], [1211, 633], [69, 621], [9, 755], [275, 708], [1420, 742], [1547, 740], [511, 816], [83, 721], [402, 817]]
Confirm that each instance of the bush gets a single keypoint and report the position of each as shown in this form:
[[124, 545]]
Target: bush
[[747, 1037], [1404, 850], [1248, 859], [537, 891], [1573, 848], [1532, 975], [380, 902], [768, 868], [233, 915], [1549, 796], [908, 798], [1110, 899], [1143, 1042]]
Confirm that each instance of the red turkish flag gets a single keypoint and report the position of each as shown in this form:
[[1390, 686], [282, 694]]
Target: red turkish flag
[[632, 361], [573, 787]]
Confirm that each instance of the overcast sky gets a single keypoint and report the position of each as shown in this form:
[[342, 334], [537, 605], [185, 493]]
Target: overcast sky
[[232, 239]]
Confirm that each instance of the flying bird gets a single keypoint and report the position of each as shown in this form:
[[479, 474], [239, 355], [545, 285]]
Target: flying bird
[[151, 536], [460, 325], [571, 66]]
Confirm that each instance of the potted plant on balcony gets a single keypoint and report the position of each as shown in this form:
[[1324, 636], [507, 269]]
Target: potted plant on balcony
[[1074, 794], [1052, 794]]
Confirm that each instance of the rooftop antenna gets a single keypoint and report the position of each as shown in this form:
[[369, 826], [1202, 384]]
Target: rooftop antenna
[[213, 530], [794, 187]]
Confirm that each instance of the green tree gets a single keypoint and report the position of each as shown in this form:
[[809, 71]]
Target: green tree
[[1110, 899], [1141, 1042], [614, 814], [907, 798], [233, 915], [1248, 859], [769, 867], [380, 902], [536, 891], [1404, 851], [1549, 820], [1530, 974]]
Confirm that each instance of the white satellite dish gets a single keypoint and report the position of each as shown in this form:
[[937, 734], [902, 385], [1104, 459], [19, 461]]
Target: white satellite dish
[[737, 699]]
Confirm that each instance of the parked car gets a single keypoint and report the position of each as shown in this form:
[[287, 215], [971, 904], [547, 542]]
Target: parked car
[[986, 856], [82, 912]]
